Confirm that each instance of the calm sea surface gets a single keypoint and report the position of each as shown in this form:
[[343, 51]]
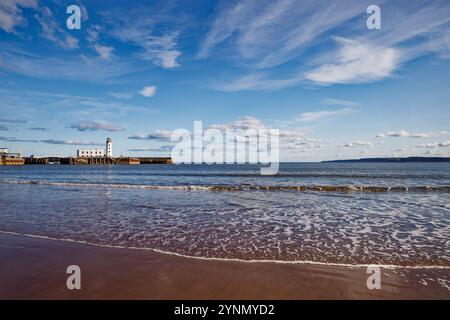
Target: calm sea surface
[[386, 213]]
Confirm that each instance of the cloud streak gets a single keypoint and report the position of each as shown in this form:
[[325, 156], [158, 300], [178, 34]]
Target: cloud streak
[[51, 141], [95, 126], [17, 121], [159, 135], [39, 129], [407, 134], [317, 115], [358, 144], [160, 149], [434, 145]]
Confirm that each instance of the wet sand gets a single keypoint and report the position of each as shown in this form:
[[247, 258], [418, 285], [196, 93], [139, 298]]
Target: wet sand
[[32, 268]]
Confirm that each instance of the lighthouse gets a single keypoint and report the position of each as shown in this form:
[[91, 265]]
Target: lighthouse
[[108, 147]]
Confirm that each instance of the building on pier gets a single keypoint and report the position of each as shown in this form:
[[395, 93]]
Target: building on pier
[[96, 153]]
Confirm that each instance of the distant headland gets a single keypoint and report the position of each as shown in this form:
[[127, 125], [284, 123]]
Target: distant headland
[[407, 159]]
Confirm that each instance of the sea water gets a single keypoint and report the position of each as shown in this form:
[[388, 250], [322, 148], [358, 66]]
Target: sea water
[[337, 213]]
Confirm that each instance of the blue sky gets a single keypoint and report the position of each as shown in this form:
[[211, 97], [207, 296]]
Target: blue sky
[[138, 69]]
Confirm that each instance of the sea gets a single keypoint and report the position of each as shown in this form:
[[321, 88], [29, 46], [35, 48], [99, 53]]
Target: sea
[[393, 214]]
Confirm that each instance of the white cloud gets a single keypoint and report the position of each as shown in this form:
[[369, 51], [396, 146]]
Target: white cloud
[[405, 134], [168, 58], [96, 125], [148, 91], [161, 135], [290, 139], [105, 52], [358, 63], [358, 144], [11, 15], [434, 145], [316, 115], [245, 123]]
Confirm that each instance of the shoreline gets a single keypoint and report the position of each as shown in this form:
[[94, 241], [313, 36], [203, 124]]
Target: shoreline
[[35, 268], [287, 262]]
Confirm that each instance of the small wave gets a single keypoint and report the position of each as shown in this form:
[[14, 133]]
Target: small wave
[[244, 187], [389, 175]]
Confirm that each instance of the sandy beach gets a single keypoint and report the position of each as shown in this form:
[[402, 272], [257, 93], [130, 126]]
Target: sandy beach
[[34, 268]]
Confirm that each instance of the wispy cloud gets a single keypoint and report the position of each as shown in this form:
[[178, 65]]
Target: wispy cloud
[[405, 134], [71, 142], [95, 126], [122, 95], [11, 15], [14, 139], [245, 123], [256, 81], [51, 141], [316, 115], [70, 67], [340, 102], [13, 120], [93, 33], [273, 32], [160, 135], [434, 145], [358, 144], [39, 129], [105, 52], [3, 128], [52, 30], [145, 149], [324, 42], [145, 29]]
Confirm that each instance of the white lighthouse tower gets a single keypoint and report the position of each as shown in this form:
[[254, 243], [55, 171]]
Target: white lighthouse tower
[[108, 152]]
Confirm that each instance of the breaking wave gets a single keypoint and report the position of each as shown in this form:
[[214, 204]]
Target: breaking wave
[[241, 187]]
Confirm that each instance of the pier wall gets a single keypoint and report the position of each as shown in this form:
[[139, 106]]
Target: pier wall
[[97, 160], [155, 160]]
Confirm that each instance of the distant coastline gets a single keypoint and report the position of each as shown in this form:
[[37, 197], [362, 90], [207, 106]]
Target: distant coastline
[[407, 159]]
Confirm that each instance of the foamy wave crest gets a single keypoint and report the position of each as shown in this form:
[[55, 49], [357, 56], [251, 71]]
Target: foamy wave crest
[[244, 187]]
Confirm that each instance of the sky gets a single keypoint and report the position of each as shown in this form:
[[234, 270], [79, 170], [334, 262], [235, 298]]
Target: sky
[[136, 70]]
